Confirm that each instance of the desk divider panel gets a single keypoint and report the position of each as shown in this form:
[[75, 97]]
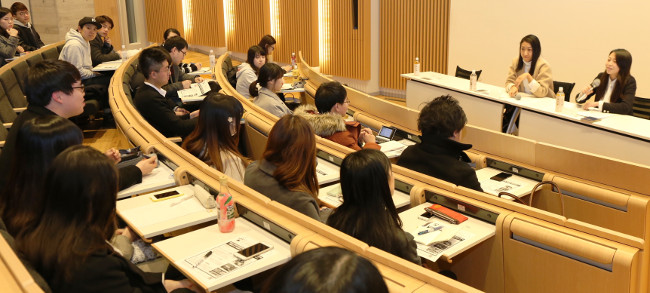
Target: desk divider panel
[[499, 144], [542, 257], [425, 179], [257, 133]]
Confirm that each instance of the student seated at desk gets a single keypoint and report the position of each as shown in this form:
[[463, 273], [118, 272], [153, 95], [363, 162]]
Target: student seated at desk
[[161, 112], [332, 104], [529, 72], [9, 41], [271, 79], [185, 67], [68, 245], [441, 154], [368, 212], [287, 171], [247, 71], [617, 86], [327, 269], [177, 49], [101, 47], [30, 40], [216, 136], [268, 44]]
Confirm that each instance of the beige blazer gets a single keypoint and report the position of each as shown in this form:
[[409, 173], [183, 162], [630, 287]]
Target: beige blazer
[[542, 75]]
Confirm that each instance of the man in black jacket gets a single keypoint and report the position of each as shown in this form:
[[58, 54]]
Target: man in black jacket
[[440, 154], [54, 88], [162, 113], [101, 47], [29, 38]]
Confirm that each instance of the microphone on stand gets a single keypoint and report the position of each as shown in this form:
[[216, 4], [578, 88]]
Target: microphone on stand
[[581, 97]]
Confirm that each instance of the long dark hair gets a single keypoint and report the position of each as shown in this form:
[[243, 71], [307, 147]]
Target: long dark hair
[[38, 142], [624, 63], [327, 269], [368, 212], [4, 11], [212, 132], [78, 217], [253, 52], [537, 51], [268, 72], [292, 148]]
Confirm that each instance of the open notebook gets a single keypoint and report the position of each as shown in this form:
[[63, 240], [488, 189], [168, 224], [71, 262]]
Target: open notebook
[[196, 92]]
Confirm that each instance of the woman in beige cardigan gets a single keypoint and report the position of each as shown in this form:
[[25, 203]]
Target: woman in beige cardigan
[[530, 73]]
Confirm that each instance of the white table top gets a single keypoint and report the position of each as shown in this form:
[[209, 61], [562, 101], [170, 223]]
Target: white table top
[[400, 199], [327, 172], [515, 184], [623, 124], [151, 218], [471, 233], [161, 177], [180, 250]]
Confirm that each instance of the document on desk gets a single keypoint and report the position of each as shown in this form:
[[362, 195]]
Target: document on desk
[[515, 184], [394, 149], [108, 66], [434, 251], [326, 172], [221, 259], [196, 92]]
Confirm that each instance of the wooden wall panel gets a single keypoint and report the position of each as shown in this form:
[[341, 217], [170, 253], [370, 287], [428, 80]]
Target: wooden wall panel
[[110, 9], [161, 15], [250, 21], [349, 48], [297, 30], [409, 29], [205, 23]]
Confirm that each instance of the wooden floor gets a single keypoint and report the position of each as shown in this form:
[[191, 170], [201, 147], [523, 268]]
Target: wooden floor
[[108, 137]]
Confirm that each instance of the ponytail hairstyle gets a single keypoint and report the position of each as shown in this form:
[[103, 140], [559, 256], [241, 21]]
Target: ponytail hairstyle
[[624, 63], [537, 51], [268, 72], [292, 148]]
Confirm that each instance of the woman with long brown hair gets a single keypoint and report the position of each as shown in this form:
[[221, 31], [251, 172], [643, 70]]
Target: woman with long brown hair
[[287, 171], [216, 136]]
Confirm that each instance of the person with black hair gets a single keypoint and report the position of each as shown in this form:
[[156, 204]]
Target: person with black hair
[[441, 154], [247, 72], [9, 41], [185, 67], [368, 212], [69, 246], [328, 118], [325, 270], [161, 112], [618, 87], [30, 40], [177, 49], [268, 44], [270, 79], [101, 47], [529, 72]]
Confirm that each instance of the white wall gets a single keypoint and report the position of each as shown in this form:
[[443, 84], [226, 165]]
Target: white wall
[[576, 36]]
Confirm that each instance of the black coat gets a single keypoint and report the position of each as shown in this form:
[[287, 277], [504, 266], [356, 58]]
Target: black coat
[[30, 40], [101, 52], [441, 158], [159, 112], [128, 175]]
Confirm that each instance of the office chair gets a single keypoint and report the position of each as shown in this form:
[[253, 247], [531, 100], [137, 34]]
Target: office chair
[[462, 73], [566, 87], [641, 108]]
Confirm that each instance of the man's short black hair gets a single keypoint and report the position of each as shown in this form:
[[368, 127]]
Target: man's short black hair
[[47, 77], [175, 42], [442, 117], [328, 95], [151, 59], [105, 19]]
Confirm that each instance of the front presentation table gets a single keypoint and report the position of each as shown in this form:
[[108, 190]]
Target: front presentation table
[[221, 268]]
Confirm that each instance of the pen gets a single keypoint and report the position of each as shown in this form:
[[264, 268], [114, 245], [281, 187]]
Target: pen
[[436, 228], [180, 201], [203, 259]]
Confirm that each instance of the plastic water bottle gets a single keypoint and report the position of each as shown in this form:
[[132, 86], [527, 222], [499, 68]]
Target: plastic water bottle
[[226, 207], [472, 81], [123, 53], [416, 66], [213, 62], [559, 100], [294, 64]]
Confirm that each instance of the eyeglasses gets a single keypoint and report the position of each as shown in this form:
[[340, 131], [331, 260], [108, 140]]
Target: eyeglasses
[[81, 87], [166, 68], [346, 102], [184, 52]]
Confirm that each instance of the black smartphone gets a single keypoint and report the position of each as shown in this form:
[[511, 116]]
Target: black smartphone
[[165, 195], [252, 251], [501, 176]]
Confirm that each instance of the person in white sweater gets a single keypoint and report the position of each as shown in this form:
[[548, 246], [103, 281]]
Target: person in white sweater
[[247, 71]]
